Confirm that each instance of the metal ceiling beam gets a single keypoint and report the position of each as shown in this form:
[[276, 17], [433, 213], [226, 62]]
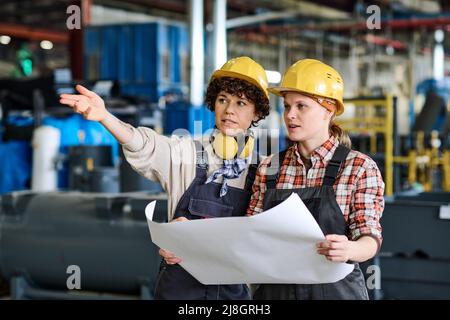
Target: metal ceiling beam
[[296, 8], [254, 19], [442, 21], [425, 6], [313, 10], [32, 33], [252, 5], [35, 10], [172, 6]]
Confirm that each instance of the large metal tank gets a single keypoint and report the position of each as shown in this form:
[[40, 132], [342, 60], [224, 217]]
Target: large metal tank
[[131, 181], [414, 259], [91, 169], [105, 235]]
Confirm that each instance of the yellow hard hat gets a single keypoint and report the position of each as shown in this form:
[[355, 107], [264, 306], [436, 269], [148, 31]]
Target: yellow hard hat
[[246, 69], [313, 77]]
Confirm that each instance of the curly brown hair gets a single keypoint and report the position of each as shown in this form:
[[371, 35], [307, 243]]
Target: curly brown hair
[[238, 88]]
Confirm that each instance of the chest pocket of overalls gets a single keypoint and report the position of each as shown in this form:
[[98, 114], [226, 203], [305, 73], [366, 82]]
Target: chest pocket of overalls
[[200, 208]]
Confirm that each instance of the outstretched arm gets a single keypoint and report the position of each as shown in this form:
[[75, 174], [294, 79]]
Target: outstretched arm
[[92, 107]]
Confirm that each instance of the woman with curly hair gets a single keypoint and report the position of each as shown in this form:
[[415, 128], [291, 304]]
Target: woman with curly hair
[[202, 181]]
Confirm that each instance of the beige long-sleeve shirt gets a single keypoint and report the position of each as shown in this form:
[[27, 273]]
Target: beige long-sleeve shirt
[[171, 162]]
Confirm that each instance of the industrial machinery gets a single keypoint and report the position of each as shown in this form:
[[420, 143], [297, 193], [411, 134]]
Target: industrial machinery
[[428, 164], [91, 169], [415, 257], [427, 160], [375, 117], [45, 236]]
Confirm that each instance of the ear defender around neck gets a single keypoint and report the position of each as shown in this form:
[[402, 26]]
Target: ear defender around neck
[[227, 147]]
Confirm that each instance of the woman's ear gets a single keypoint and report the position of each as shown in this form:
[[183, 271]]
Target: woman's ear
[[328, 115]]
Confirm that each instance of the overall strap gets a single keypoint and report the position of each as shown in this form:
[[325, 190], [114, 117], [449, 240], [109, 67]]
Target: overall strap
[[332, 170], [275, 165], [251, 174], [201, 160]]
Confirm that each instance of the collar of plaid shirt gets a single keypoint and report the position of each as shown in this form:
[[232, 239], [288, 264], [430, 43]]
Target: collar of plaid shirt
[[324, 152]]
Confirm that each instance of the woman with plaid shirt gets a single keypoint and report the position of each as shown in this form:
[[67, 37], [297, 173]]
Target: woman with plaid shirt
[[342, 188]]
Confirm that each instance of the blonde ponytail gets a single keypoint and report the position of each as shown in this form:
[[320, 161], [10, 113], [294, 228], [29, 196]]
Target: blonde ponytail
[[340, 134]]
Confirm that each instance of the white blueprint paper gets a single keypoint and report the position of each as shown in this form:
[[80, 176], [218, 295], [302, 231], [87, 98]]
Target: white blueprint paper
[[275, 246]]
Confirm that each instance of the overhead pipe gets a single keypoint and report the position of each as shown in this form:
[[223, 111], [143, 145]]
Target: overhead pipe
[[259, 18], [435, 23], [382, 41], [377, 40], [172, 6], [32, 33], [346, 25]]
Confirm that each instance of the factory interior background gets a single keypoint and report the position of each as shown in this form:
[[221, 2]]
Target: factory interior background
[[141, 56]]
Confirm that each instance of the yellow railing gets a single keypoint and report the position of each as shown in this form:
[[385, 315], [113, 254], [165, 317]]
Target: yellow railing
[[372, 116], [376, 115]]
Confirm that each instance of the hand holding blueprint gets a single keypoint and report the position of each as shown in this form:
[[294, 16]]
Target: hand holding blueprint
[[275, 246]]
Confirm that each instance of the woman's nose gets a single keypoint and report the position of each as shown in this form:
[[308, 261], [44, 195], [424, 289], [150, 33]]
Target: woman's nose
[[291, 113], [229, 109]]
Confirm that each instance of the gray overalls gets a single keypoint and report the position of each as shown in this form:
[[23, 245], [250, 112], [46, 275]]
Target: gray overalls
[[202, 201], [321, 202]]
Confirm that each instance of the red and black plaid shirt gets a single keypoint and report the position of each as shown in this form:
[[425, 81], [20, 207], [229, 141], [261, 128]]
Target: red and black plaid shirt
[[359, 186]]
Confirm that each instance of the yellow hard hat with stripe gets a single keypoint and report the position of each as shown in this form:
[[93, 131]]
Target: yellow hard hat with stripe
[[315, 78]]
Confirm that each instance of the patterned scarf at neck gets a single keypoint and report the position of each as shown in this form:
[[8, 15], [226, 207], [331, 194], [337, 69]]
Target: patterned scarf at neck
[[231, 169]]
